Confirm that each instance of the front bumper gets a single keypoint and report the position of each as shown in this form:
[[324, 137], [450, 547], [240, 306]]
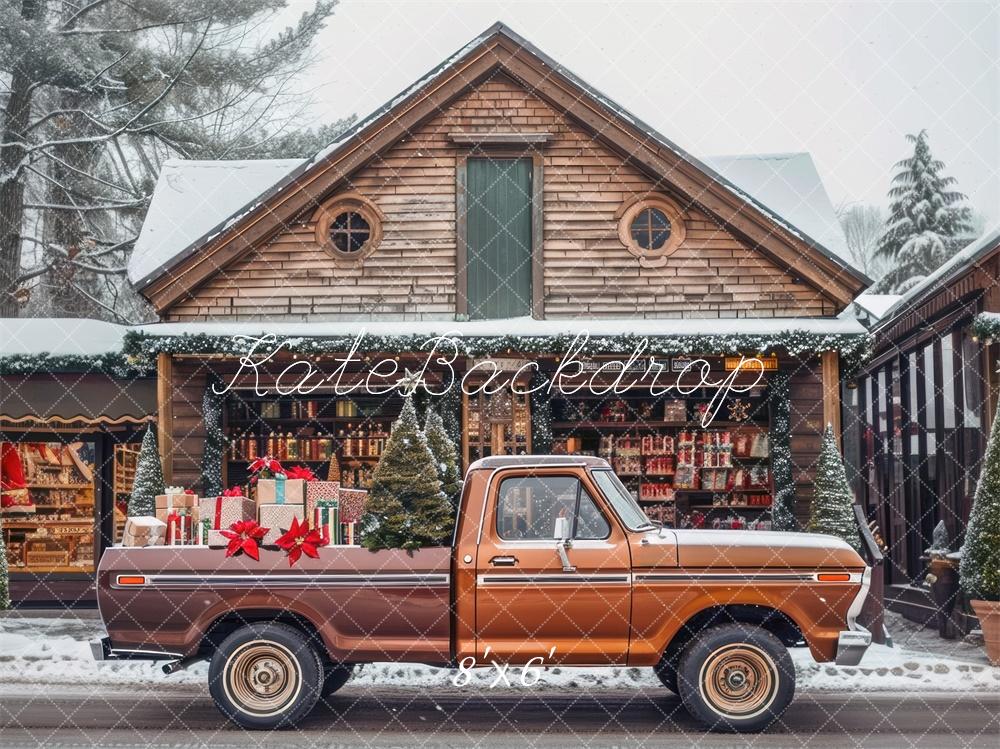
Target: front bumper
[[852, 645]]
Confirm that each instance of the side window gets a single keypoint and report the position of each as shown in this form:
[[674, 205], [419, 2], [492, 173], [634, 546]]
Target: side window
[[527, 508]]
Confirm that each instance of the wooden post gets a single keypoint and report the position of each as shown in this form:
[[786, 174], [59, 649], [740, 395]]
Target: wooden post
[[830, 367], [165, 410]]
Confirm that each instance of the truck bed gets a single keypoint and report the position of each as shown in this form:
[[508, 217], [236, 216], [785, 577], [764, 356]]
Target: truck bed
[[364, 605]]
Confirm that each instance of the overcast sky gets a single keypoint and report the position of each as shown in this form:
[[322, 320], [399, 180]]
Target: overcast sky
[[844, 81]]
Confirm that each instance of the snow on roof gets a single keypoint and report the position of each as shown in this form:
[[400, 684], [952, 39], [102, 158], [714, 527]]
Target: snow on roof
[[516, 326], [194, 199], [961, 260], [877, 305], [188, 207], [790, 186], [59, 336]]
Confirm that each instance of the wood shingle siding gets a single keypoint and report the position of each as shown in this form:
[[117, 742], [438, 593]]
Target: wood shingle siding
[[587, 271]]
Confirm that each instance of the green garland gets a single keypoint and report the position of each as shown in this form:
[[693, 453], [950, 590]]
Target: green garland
[[541, 416], [783, 510], [854, 348], [215, 441], [4, 573], [115, 365], [986, 325]]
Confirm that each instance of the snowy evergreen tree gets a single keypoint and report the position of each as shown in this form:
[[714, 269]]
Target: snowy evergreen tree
[[928, 221], [148, 478], [4, 573], [406, 508], [541, 415], [94, 96], [832, 509], [445, 457], [215, 441], [979, 573], [783, 508]]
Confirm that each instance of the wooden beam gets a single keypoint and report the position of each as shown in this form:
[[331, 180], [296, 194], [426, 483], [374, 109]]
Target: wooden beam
[[165, 410], [499, 139], [830, 367]]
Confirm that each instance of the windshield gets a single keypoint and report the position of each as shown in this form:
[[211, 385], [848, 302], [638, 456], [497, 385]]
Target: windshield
[[626, 507]]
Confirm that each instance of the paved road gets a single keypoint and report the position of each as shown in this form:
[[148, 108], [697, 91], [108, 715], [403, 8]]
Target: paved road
[[357, 717]]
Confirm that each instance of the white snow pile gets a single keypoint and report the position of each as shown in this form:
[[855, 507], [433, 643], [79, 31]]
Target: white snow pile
[[56, 652]]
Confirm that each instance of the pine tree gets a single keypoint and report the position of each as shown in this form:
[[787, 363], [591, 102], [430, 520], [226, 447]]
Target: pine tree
[[148, 478], [832, 509], [215, 441], [927, 220], [541, 415], [445, 457], [979, 573], [406, 508], [4, 573]]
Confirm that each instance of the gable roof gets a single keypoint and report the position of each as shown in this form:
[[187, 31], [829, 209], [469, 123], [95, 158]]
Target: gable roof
[[500, 48]]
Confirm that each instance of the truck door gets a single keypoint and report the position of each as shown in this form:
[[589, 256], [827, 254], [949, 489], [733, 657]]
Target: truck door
[[534, 592]]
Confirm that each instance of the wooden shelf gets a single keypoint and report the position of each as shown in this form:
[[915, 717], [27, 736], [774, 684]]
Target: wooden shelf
[[729, 507], [60, 486], [248, 423], [654, 424]]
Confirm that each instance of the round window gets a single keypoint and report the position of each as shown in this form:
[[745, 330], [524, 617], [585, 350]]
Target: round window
[[349, 226], [349, 232], [651, 228]]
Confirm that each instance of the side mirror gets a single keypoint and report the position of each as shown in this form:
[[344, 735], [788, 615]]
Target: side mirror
[[561, 532]]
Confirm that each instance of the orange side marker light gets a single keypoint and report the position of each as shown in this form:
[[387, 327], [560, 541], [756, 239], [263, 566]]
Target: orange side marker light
[[131, 580], [834, 577]]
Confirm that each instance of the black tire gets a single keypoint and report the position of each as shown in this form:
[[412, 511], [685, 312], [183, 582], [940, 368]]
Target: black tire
[[736, 677], [265, 676], [336, 676], [666, 672]]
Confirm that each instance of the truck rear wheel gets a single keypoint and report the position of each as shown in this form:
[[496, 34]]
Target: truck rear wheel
[[736, 677], [265, 676]]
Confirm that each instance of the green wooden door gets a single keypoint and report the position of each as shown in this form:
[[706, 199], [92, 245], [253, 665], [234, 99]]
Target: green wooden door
[[498, 237]]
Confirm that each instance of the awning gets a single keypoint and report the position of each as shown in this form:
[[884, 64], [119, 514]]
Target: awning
[[74, 399]]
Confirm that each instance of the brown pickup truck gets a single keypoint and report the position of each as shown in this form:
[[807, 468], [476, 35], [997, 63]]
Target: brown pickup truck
[[553, 563]]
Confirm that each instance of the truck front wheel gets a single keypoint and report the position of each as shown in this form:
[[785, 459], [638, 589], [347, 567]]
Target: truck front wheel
[[736, 677], [265, 676]]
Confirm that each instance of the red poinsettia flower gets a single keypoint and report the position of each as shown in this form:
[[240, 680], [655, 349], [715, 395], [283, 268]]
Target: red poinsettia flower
[[245, 536], [233, 491], [300, 539], [300, 472]]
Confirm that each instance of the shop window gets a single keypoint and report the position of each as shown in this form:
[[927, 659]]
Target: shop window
[[349, 227], [528, 506], [651, 228], [48, 506]]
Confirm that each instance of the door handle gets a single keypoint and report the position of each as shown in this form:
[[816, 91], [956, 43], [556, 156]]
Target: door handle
[[504, 561]]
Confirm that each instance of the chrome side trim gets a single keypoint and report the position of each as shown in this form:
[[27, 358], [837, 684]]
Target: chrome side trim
[[761, 576], [576, 578], [374, 580]]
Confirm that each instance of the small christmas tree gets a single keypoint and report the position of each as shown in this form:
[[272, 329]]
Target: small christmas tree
[[979, 573], [832, 506], [4, 573], [406, 508], [148, 478], [445, 456], [215, 441]]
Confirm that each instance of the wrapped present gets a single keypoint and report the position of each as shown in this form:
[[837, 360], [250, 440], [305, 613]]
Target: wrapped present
[[326, 519], [352, 504], [349, 533], [215, 539], [281, 490], [180, 529], [320, 491], [144, 531], [277, 518], [226, 509], [176, 498]]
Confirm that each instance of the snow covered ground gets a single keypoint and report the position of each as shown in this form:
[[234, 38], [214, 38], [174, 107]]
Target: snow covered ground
[[55, 651]]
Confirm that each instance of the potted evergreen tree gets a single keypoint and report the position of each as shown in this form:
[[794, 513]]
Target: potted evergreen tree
[[832, 506], [979, 572], [406, 508]]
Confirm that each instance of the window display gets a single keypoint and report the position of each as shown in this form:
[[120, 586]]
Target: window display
[[54, 531]]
